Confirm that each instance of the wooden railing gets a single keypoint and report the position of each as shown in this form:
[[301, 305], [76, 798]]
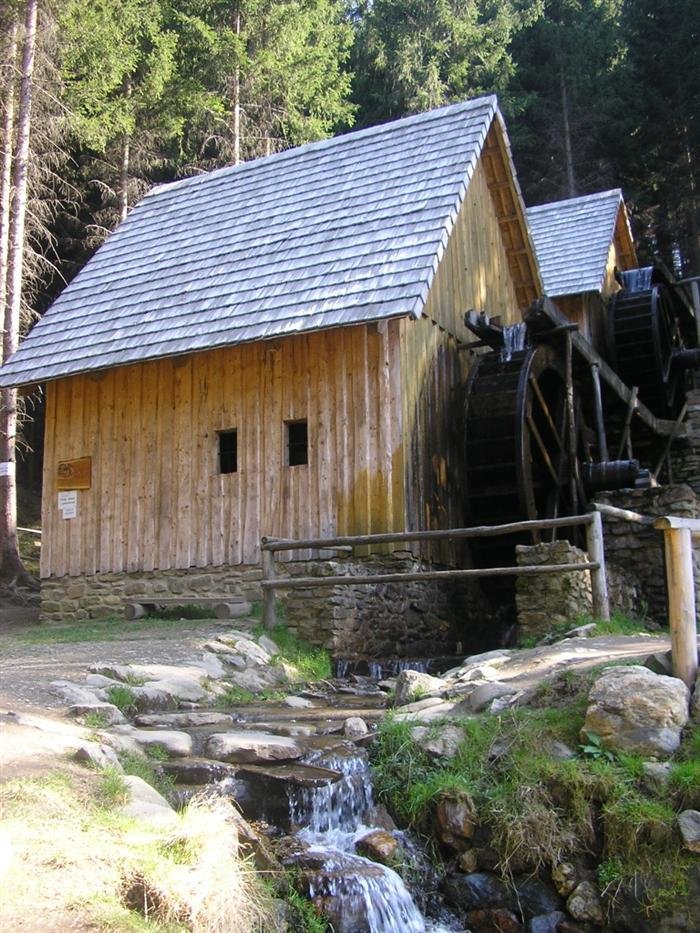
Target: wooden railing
[[680, 583], [594, 541]]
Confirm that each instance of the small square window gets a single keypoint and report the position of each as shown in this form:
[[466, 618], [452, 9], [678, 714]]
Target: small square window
[[228, 451], [297, 443]]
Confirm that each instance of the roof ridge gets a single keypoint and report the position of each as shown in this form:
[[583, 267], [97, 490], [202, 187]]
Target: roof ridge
[[390, 126], [595, 196]]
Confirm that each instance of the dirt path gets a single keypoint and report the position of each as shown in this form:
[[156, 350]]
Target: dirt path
[[27, 669]]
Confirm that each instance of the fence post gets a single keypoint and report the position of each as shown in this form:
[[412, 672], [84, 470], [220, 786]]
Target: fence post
[[681, 603], [268, 573], [596, 552]]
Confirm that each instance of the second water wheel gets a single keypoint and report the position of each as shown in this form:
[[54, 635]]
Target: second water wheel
[[519, 453]]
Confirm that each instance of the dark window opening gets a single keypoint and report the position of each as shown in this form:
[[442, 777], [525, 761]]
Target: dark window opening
[[228, 451], [297, 443]]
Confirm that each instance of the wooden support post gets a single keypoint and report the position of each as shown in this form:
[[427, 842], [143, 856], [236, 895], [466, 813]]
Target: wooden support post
[[626, 439], [599, 420], [268, 573], [596, 554], [678, 546], [574, 478]]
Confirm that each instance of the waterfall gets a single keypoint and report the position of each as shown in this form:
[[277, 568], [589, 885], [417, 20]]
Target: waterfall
[[374, 899]]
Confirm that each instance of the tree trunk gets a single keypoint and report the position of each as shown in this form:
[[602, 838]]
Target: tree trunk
[[124, 164], [568, 149], [237, 99], [8, 129], [10, 563]]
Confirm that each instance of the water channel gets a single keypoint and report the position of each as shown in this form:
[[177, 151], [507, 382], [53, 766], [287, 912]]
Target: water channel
[[323, 804]]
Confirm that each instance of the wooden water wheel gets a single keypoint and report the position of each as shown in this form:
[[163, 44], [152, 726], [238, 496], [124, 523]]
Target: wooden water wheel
[[518, 456]]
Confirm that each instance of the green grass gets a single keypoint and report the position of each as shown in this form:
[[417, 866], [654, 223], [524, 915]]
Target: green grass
[[146, 769], [539, 810], [312, 663], [234, 696], [123, 697], [112, 628], [617, 624]]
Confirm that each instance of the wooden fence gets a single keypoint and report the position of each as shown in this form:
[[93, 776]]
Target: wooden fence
[[594, 540]]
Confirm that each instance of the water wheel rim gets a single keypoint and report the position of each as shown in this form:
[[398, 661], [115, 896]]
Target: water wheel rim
[[538, 362]]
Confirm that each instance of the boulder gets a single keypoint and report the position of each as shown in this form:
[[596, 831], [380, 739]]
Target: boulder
[[484, 694], [188, 720], [146, 803], [468, 861], [545, 923], [537, 898], [414, 685], [634, 710], [182, 687], [456, 821], [354, 727], [298, 703], [98, 756], [443, 744], [584, 904], [478, 891], [379, 846], [565, 877], [73, 694], [695, 709], [253, 653], [689, 825], [174, 744], [657, 774], [197, 770], [108, 712], [249, 747], [490, 921]]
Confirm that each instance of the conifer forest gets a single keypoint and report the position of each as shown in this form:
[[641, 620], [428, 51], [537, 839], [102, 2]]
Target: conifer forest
[[102, 99]]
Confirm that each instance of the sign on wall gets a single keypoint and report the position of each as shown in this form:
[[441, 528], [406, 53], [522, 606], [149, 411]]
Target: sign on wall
[[74, 474], [68, 503]]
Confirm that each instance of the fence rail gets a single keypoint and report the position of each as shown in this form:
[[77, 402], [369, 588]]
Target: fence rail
[[594, 539]]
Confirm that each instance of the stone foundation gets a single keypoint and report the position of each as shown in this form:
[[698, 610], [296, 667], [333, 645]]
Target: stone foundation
[[545, 600], [412, 619], [636, 552], [102, 595], [685, 453]]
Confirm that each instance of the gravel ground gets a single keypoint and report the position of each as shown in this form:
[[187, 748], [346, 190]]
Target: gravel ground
[[26, 670]]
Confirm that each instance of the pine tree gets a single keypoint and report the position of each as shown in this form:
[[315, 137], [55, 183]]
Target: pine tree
[[658, 127], [412, 55], [562, 97]]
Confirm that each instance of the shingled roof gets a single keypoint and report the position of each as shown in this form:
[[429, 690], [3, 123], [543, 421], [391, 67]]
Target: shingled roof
[[573, 237], [339, 232]]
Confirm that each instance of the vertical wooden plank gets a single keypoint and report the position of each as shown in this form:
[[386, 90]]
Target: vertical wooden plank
[[203, 459], [49, 517], [107, 467], [136, 471], [149, 474], [182, 462], [167, 499], [323, 398]]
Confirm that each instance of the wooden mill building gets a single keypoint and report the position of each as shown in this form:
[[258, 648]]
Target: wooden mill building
[[273, 349], [580, 242]]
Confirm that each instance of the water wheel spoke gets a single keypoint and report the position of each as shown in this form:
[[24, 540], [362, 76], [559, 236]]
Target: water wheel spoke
[[542, 448], [545, 410]]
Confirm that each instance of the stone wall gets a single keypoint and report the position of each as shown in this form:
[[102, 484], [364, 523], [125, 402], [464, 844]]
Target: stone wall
[[412, 619], [685, 453], [636, 551], [545, 600], [398, 620]]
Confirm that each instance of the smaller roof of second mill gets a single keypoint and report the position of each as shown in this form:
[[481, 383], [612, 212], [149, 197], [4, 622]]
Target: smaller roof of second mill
[[332, 233]]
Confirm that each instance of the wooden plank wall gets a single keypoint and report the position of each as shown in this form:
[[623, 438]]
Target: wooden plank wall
[[474, 273], [157, 499]]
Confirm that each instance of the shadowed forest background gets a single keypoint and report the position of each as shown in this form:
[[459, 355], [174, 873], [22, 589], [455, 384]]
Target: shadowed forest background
[[131, 93]]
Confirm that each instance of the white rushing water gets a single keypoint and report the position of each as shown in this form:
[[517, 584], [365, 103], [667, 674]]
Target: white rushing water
[[514, 336], [333, 819]]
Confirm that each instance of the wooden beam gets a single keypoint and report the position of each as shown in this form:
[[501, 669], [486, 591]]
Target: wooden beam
[[477, 531], [678, 548], [596, 554], [294, 583]]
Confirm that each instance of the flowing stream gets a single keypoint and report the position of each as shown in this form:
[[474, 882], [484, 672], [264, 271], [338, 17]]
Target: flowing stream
[[514, 337], [333, 818]]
